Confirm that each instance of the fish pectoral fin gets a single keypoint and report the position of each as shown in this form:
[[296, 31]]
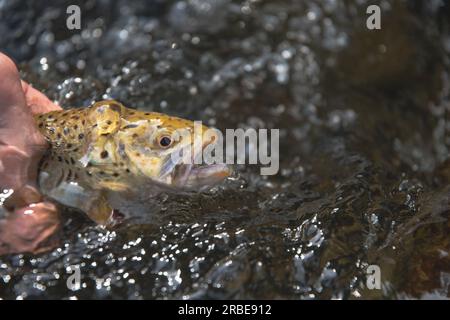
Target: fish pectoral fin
[[91, 201], [100, 211]]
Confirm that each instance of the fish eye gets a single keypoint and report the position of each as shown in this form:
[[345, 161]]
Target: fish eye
[[165, 141]]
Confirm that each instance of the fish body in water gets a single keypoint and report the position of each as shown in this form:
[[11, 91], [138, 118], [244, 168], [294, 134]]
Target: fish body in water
[[105, 152]]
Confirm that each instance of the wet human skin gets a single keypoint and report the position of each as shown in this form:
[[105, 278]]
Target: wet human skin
[[30, 222]]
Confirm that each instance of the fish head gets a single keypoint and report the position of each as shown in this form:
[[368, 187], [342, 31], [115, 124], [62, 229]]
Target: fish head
[[168, 150]]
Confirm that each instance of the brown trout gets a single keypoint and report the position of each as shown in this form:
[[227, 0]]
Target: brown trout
[[107, 152]]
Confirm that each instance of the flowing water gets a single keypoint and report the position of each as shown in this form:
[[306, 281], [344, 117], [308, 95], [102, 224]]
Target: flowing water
[[364, 143]]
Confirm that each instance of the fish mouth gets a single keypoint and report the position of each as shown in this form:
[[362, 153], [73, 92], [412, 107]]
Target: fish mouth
[[191, 176]]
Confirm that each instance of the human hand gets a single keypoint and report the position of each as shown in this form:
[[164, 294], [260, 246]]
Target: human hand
[[30, 222]]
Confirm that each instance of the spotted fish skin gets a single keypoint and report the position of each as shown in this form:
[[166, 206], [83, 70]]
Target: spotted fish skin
[[66, 132], [110, 148]]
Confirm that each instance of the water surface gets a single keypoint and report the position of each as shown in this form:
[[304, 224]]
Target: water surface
[[364, 142]]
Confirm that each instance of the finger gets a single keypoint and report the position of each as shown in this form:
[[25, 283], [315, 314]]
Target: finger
[[20, 141], [37, 101], [12, 98], [14, 167], [22, 197], [29, 229]]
